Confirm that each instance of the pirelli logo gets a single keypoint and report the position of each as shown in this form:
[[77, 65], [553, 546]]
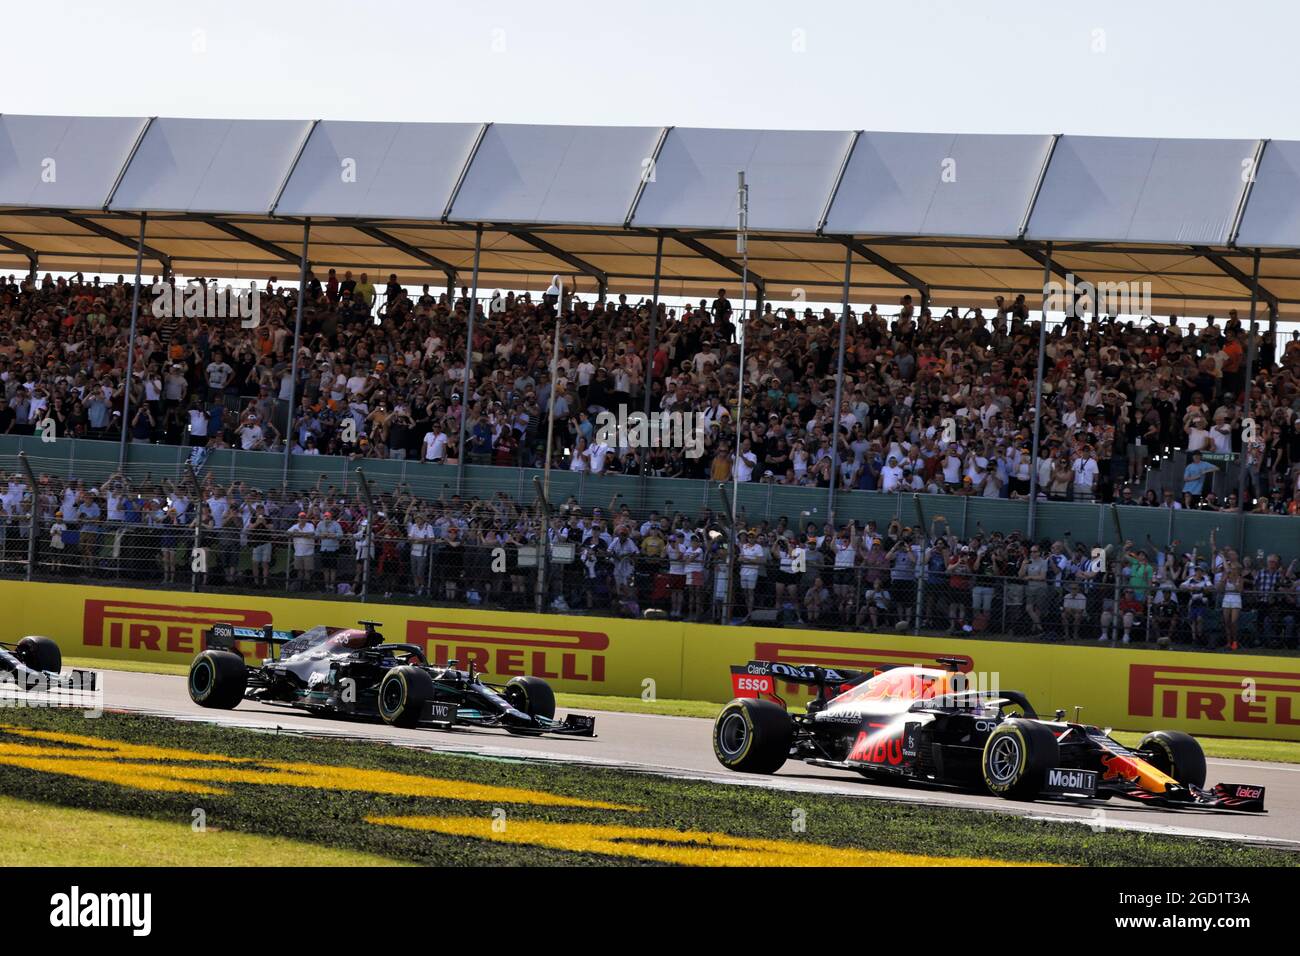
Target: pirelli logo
[[1222, 694], [514, 651], [161, 627], [849, 658]]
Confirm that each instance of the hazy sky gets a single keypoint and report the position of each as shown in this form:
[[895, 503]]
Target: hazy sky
[[1141, 67]]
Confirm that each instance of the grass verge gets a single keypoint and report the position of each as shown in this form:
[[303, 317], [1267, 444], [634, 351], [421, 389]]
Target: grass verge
[[37, 834], [445, 809]]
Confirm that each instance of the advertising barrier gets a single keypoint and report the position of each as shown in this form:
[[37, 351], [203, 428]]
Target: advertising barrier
[[1229, 695]]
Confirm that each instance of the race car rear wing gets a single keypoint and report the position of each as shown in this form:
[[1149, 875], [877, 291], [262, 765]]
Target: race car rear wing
[[224, 637], [759, 678]]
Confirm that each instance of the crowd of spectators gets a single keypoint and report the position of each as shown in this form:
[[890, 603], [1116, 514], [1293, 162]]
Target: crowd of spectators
[[939, 403], [473, 552]]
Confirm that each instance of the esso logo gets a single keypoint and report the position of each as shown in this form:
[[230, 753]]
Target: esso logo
[[753, 683]]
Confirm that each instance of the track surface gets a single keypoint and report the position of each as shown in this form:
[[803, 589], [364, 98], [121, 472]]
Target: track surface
[[682, 746]]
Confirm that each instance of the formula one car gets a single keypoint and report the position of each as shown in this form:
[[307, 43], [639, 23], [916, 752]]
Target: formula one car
[[34, 664], [929, 725], [351, 671]]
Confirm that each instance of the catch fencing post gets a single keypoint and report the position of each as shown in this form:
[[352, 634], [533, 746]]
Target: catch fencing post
[[369, 543], [34, 519]]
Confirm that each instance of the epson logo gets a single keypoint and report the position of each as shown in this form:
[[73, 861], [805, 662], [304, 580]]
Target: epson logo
[[94, 910], [1072, 779]]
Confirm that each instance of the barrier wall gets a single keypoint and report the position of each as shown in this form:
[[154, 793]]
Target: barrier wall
[[1128, 689]]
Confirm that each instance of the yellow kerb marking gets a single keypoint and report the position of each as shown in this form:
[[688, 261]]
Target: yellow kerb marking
[[686, 847], [154, 768]]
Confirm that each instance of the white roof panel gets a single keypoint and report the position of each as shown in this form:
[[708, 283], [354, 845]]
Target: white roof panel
[[210, 166], [1109, 189], [374, 170], [63, 162], [937, 184], [790, 176], [572, 175]]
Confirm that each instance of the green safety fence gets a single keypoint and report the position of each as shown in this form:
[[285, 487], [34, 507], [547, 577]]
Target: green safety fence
[[1086, 522]]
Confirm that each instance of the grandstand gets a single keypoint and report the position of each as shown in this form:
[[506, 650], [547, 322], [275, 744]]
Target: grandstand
[[397, 359]]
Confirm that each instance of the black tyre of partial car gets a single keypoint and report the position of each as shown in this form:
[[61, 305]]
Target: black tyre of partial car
[[1017, 756], [532, 695], [218, 679], [402, 695], [753, 736], [1175, 753], [40, 654]]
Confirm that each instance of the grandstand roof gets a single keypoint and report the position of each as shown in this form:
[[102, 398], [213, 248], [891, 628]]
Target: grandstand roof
[[960, 216]]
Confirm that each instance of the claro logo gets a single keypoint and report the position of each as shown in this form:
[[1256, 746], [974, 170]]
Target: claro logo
[[514, 651], [847, 658], [1214, 694], [162, 627]]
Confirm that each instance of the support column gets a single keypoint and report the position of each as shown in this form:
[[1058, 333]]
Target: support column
[[839, 387], [130, 346], [1038, 399], [297, 343], [1245, 402], [469, 360]]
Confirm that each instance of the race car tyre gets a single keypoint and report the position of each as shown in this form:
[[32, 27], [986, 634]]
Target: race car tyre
[[403, 693], [532, 695], [1175, 753], [218, 679], [40, 654], [753, 736], [1017, 756]]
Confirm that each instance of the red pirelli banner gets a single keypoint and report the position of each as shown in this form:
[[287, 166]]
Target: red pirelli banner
[[1229, 695]]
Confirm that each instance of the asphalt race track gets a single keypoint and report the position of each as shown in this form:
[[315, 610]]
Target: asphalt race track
[[682, 746]]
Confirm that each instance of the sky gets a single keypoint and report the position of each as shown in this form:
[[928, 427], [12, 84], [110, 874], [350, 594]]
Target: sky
[[1142, 67]]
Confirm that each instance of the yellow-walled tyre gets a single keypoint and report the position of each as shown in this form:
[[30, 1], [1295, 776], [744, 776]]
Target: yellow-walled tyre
[[1017, 757], [1175, 753], [218, 679], [752, 736], [402, 695]]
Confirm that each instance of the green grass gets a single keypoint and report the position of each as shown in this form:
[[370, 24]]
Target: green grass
[[332, 816], [37, 834], [1275, 751]]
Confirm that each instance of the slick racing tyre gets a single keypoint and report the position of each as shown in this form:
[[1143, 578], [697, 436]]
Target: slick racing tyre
[[1175, 753], [40, 654], [534, 697], [1017, 756], [217, 679], [402, 695], [753, 736]]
